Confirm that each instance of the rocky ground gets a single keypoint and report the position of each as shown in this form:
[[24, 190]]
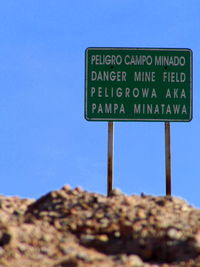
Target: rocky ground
[[74, 228]]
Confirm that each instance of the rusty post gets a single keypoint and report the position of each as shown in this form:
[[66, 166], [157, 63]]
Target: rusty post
[[168, 158], [110, 157]]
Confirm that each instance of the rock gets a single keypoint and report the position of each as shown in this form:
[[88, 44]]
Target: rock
[[71, 227], [5, 238], [135, 261]]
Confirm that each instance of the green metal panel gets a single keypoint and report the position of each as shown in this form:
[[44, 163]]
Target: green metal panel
[[138, 84]]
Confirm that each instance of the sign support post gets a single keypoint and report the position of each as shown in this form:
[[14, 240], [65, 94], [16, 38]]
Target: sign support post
[[110, 157], [168, 158]]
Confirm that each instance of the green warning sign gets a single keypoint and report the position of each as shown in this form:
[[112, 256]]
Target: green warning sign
[[138, 84]]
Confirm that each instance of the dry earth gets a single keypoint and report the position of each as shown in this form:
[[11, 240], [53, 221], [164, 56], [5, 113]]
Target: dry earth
[[74, 228]]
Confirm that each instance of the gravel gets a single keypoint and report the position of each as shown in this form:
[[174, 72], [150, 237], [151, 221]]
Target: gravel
[[71, 227]]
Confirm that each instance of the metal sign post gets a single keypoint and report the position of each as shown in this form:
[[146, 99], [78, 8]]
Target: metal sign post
[[110, 157], [168, 158]]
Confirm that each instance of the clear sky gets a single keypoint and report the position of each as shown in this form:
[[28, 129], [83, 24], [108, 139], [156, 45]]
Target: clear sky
[[45, 142]]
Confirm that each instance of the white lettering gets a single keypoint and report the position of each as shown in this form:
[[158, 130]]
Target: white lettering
[[183, 95], [106, 59], [100, 109], [136, 92], [175, 93], [99, 91], [174, 77], [156, 110], [127, 92], [119, 92], [92, 91], [138, 60], [112, 92], [119, 76], [184, 110], [169, 61], [149, 109], [137, 108], [122, 109], [108, 108], [144, 76], [145, 92], [173, 109], [176, 109], [153, 93], [168, 109], [94, 106]]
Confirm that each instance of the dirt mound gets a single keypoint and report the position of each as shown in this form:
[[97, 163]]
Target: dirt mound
[[72, 228]]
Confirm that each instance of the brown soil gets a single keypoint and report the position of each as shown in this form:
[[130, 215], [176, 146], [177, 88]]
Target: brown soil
[[74, 228]]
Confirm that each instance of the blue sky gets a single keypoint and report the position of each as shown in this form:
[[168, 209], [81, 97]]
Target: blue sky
[[45, 142]]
